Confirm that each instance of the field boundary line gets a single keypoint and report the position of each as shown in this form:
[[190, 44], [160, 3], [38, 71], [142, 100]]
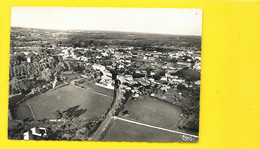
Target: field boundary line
[[147, 125], [31, 111], [92, 91], [101, 94]]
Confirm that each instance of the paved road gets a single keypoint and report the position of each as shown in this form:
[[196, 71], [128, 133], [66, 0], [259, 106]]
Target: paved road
[[104, 126], [105, 123], [97, 135]]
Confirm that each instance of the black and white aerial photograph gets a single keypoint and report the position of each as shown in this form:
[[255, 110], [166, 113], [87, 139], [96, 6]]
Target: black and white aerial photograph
[[105, 74]]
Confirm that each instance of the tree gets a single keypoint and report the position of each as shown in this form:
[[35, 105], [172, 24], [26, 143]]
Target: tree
[[46, 74], [181, 87], [57, 114]]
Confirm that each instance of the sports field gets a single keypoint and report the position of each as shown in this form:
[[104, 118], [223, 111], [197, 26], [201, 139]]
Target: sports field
[[21, 112], [91, 103], [126, 131], [154, 112], [90, 86]]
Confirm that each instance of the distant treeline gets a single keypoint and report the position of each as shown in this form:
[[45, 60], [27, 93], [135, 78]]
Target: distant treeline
[[144, 41], [101, 38]]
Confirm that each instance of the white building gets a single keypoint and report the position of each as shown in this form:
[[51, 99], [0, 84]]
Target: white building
[[38, 132], [28, 60]]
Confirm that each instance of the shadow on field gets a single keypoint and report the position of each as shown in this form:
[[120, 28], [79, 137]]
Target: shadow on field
[[74, 111]]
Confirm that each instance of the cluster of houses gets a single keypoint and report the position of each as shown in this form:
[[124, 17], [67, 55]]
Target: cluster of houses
[[126, 59], [106, 80], [123, 58]]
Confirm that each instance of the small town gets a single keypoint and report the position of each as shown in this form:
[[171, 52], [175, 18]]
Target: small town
[[88, 88]]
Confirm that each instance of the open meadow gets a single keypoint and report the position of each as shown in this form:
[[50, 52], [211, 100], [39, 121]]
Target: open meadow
[[154, 112], [125, 131], [44, 105]]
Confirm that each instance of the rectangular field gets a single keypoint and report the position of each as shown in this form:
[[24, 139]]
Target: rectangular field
[[126, 131], [153, 111], [44, 105]]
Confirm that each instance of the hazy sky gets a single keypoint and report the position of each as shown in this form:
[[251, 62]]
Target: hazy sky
[[148, 20]]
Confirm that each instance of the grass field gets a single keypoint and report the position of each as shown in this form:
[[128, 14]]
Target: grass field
[[153, 112], [68, 97], [125, 131], [189, 74], [21, 112], [92, 87]]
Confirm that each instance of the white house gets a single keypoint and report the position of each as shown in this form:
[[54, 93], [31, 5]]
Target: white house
[[37, 132]]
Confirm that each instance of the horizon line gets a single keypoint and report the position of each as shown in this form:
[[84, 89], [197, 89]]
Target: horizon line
[[106, 31]]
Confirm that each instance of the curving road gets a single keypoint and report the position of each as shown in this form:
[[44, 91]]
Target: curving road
[[97, 135], [110, 116]]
